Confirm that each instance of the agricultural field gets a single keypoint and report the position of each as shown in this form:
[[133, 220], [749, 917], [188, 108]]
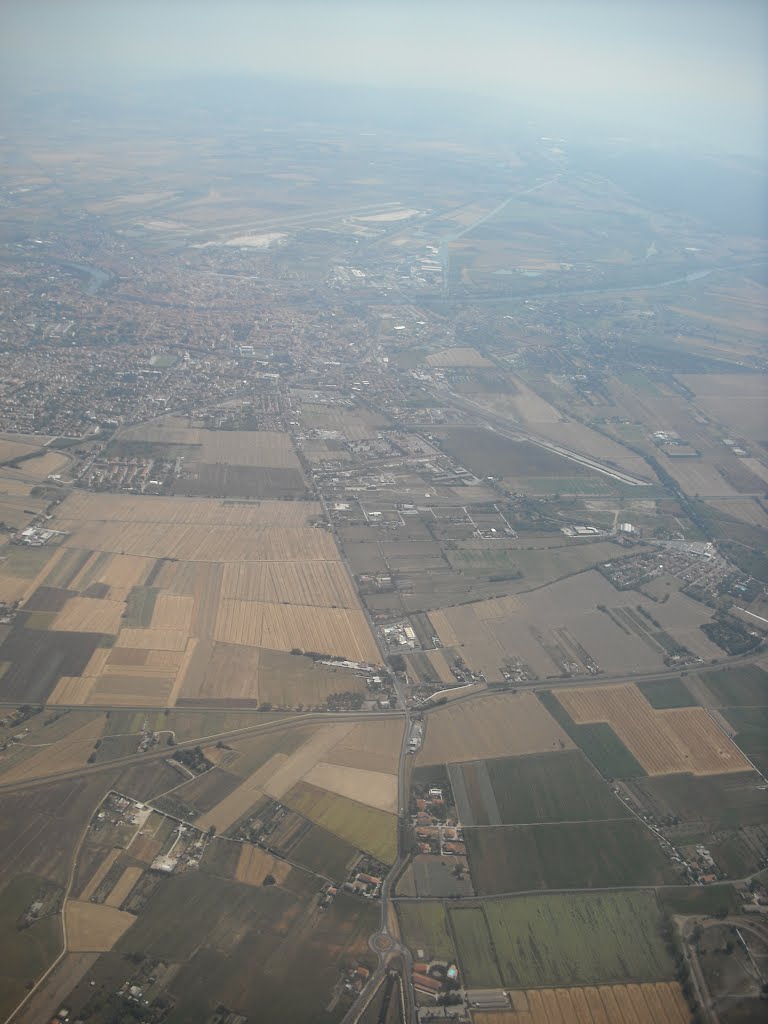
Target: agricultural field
[[664, 742], [667, 693], [93, 928], [451, 357], [153, 601], [27, 952], [660, 1003], [582, 855], [551, 940], [324, 773], [735, 400], [738, 686], [220, 463], [714, 801], [497, 725], [240, 944], [536, 788], [555, 628], [598, 742], [424, 925], [751, 733], [474, 947], [367, 828]]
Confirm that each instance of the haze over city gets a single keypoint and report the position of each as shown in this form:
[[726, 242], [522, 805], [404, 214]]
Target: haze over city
[[684, 68]]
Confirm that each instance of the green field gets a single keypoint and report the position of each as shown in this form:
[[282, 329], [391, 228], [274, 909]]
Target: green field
[[366, 828], [581, 939], [751, 725], [741, 686], [24, 953], [598, 741], [581, 855], [139, 607], [424, 926], [22, 561], [700, 899], [186, 725], [477, 959], [722, 801], [593, 485], [324, 852], [667, 693], [485, 561], [551, 787]]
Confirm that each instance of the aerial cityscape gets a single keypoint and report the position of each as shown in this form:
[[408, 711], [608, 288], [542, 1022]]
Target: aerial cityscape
[[383, 552]]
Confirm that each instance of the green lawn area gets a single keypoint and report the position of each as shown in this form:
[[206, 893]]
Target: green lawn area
[[425, 926]]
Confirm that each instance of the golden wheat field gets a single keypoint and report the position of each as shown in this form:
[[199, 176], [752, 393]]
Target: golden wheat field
[[500, 725], [196, 543], [377, 789], [86, 506], [371, 745], [173, 611], [89, 615], [255, 864], [663, 741], [176, 586], [72, 690], [308, 583], [93, 927], [654, 1003], [336, 631]]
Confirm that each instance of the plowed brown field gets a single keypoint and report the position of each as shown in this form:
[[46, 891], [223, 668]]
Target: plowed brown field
[[500, 725], [663, 741], [255, 864]]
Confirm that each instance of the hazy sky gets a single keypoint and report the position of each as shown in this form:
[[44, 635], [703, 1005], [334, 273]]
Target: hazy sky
[[694, 67]]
